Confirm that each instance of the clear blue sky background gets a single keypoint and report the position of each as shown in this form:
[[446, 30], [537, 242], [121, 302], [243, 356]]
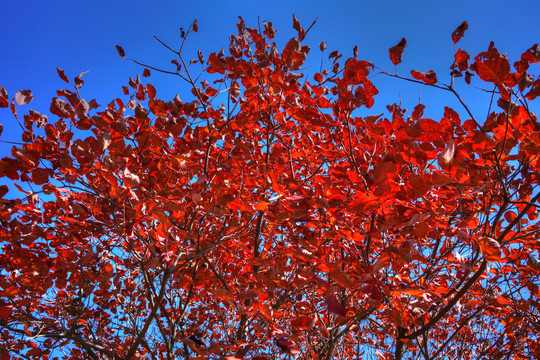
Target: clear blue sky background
[[38, 36]]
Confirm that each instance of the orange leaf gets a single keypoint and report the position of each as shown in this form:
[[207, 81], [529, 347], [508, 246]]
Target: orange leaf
[[491, 249], [416, 292], [261, 206]]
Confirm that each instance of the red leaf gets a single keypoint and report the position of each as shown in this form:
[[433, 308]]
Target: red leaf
[[396, 51], [62, 75], [459, 32], [428, 77], [428, 130], [24, 97], [356, 71], [240, 205], [151, 91], [341, 278], [384, 171], [293, 54], [334, 306], [363, 202], [491, 66], [304, 322], [224, 294], [146, 73], [532, 55], [461, 60]]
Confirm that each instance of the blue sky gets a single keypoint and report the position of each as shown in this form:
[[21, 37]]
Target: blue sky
[[78, 36]]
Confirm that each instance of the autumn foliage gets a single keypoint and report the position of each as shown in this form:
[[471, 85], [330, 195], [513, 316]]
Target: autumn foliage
[[270, 217]]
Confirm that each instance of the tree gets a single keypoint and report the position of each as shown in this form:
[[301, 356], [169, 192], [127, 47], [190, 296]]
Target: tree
[[281, 224]]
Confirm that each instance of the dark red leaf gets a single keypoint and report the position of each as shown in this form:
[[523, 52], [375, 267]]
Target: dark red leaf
[[418, 112], [62, 75], [200, 56], [121, 51], [287, 346], [79, 82], [13, 108], [5, 311], [61, 108], [3, 190], [269, 29], [372, 291], [396, 51], [468, 76], [40, 176], [461, 60], [534, 92], [334, 306], [459, 32], [297, 27], [428, 77]]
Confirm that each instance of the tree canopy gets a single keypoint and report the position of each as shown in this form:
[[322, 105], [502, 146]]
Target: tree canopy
[[268, 218]]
